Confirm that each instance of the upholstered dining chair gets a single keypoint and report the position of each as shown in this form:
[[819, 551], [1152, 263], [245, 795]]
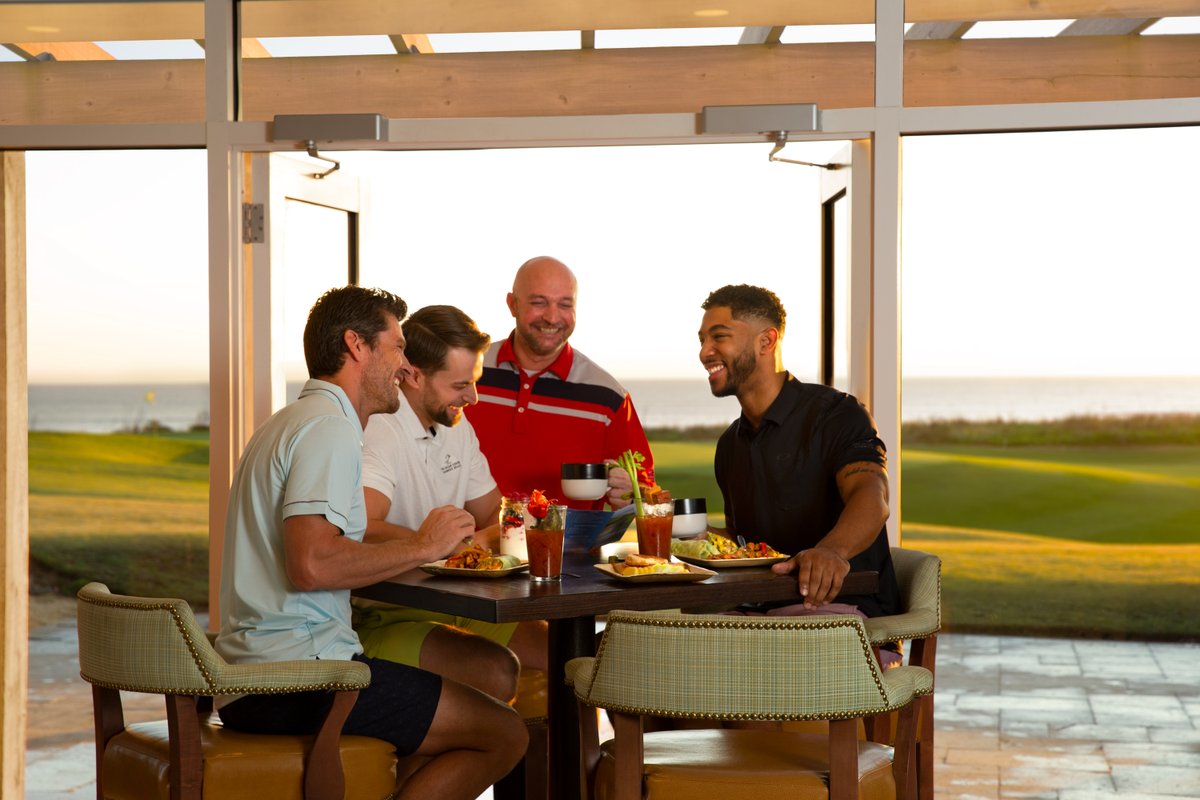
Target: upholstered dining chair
[[920, 578], [155, 645], [743, 669]]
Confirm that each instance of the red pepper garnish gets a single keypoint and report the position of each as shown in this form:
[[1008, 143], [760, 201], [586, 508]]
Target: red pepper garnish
[[538, 505]]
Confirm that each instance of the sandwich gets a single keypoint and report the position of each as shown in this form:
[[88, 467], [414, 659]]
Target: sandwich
[[638, 564]]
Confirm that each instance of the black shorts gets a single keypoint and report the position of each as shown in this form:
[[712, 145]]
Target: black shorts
[[397, 707]]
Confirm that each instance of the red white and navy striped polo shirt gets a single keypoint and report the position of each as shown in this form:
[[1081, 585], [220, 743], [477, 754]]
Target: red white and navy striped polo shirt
[[529, 425]]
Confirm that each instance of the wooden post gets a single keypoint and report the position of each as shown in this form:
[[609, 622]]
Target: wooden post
[[14, 499]]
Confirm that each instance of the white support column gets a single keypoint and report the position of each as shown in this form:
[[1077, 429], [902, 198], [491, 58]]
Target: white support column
[[885, 349], [14, 498], [226, 280]]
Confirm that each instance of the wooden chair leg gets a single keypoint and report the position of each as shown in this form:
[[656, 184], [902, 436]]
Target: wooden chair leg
[[187, 764], [843, 759], [878, 728], [903, 754], [323, 777], [109, 720], [924, 654], [924, 748], [630, 755]]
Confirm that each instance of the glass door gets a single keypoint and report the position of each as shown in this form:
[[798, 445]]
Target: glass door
[[845, 312], [307, 232]]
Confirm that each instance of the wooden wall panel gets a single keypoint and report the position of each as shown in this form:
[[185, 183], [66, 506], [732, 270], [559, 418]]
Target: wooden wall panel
[[88, 92], [563, 82], [1070, 69], [658, 80]]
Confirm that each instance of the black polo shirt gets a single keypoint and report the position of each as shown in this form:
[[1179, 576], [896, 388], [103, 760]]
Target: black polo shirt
[[779, 481]]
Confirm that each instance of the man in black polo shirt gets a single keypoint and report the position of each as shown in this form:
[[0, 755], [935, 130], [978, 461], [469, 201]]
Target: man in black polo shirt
[[803, 468]]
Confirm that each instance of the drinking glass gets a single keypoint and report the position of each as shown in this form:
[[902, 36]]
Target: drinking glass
[[512, 527], [654, 529], [544, 541]]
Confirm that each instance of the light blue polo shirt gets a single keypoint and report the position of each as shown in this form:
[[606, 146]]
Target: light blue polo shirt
[[306, 459]]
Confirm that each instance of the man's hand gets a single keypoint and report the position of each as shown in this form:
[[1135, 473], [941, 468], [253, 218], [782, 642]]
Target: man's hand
[[820, 572], [444, 529], [620, 488]]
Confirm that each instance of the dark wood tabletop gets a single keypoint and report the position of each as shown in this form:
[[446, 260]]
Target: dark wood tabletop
[[586, 591], [571, 606]]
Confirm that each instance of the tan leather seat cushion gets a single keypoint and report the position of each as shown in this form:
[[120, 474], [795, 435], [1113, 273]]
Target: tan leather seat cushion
[[238, 765], [745, 765], [531, 700]]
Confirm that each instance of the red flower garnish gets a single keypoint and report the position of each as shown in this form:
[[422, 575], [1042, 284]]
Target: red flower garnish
[[538, 505]]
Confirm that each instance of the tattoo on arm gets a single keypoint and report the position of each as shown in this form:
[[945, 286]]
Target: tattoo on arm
[[855, 469]]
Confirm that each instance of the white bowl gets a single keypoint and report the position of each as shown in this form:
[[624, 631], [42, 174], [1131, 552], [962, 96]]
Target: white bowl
[[584, 488], [689, 524]]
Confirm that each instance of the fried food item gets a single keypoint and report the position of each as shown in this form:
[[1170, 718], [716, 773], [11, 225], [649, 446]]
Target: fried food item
[[727, 548], [498, 562], [638, 564], [469, 558]]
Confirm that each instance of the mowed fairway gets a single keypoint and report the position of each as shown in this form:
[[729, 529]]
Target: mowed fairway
[[128, 510], [1040, 540], [1061, 539]]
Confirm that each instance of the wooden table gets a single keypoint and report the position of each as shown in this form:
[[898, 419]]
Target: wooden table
[[571, 606]]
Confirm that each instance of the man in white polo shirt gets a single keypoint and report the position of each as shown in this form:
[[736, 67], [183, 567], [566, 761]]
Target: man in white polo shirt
[[426, 456], [294, 548]]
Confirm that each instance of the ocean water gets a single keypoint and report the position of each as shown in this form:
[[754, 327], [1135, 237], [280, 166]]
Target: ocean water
[[667, 403]]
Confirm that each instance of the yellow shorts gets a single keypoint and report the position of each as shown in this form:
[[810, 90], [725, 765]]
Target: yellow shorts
[[397, 632]]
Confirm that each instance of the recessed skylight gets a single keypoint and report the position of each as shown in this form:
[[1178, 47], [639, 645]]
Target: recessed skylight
[[810, 34], [290, 46], [148, 50], [503, 42], [1017, 29], [1175, 25], [667, 37]]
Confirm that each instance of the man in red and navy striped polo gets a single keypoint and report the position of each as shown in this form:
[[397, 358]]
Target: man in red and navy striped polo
[[542, 403]]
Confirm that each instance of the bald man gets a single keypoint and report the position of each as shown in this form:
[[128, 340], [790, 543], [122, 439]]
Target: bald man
[[542, 403]]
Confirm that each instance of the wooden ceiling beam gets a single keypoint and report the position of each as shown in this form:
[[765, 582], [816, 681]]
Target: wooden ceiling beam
[[178, 19], [93, 21], [641, 81], [411, 43], [937, 30], [1106, 27], [762, 34]]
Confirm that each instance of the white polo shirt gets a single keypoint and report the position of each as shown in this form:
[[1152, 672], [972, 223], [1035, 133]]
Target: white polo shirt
[[306, 459], [421, 468]]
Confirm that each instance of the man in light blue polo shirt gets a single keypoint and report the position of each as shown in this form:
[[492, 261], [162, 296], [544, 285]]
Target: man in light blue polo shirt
[[294, 549]]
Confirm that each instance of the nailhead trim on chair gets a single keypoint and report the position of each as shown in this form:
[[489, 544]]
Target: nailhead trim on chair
[[173, 608], [737, 623], [191, 645]]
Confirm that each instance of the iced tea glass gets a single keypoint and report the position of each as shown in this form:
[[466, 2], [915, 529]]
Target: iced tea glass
[[654, 529], [544, 541]]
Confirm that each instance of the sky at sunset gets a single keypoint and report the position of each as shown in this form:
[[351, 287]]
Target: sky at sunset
[[1023, 254]]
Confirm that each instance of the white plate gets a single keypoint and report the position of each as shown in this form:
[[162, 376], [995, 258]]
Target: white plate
[[693, 574], [440, 568], [721, 563]]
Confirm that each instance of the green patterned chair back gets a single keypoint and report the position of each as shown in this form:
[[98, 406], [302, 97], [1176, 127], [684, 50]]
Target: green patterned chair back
[[141, 644], [920, 578], [742, 668]]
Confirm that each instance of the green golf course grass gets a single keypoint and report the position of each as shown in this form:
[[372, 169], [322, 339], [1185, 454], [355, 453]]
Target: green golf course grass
[[1054, 539]]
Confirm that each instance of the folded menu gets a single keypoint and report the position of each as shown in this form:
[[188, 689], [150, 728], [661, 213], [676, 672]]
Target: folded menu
[[588, 530]]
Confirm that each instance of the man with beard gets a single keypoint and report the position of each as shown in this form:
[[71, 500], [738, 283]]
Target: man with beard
[[422, 458], [294, 548], [542, 403], [803, 468]]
